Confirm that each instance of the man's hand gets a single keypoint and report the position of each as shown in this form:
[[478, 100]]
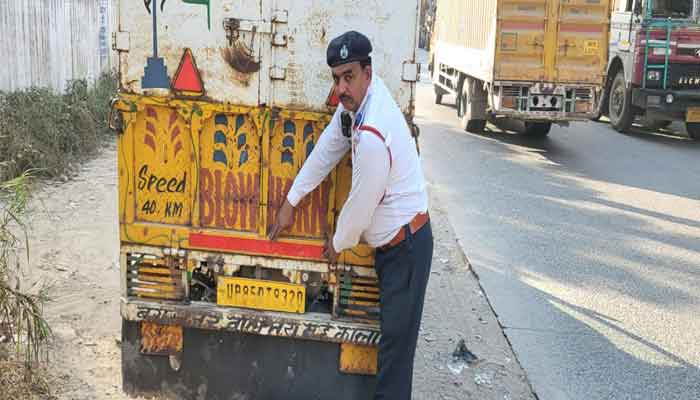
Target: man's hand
[[284, 220], [329, 251]]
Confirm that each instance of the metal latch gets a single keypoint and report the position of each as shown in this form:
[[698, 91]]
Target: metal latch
[[121, 41], [278, 73], [247, 25]]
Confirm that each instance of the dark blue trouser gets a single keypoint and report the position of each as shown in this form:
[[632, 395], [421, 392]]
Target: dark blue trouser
[[403, 273]]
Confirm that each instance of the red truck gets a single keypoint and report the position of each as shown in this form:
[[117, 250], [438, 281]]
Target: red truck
[[654, 65]]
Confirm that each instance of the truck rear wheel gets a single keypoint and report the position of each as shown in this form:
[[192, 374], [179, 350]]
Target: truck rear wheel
[[537, 129], [619, 105], [438, 95], [693, 129], [464, 110]]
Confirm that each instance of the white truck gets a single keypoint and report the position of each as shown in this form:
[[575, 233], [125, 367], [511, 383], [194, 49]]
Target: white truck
[[220, 104], [536, 61]]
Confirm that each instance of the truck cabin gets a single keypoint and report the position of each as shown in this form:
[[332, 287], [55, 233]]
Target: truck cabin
[[675, 9]]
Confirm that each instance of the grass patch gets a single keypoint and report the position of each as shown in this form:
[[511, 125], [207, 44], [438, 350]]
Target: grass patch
[[53, 133]]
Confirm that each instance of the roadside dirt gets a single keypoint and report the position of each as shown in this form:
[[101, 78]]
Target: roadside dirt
[[74, 245]]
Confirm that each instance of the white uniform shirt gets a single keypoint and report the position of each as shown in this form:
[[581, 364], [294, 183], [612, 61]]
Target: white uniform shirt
[[388, 187]]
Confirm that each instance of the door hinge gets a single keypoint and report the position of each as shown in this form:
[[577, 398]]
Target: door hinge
[[278, 73], [280, 16], [411, 71], [121, 41]]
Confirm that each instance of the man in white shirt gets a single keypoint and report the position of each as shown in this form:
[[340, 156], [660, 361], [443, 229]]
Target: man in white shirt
[[387, 206]]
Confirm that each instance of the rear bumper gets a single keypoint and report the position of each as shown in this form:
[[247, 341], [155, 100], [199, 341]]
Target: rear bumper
[[654, 101], [549, 116], [310, 326], [230, 365], [549, 102]]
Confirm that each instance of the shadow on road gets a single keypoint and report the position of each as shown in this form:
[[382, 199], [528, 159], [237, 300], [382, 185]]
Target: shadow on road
[[575, 263]]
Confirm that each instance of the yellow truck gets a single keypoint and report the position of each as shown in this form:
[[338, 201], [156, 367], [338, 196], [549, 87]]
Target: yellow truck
[[539, 61], [220, 103]]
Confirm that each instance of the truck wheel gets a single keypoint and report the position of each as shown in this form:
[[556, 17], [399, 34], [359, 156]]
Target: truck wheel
[[464, 111], [619, 105], [537, 129], [693, 129], [438, 95]]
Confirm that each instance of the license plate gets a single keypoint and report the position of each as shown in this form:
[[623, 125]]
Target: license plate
[[693, 114], [261, 295]]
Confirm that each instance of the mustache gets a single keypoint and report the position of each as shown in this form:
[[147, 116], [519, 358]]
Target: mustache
[[345, 97]]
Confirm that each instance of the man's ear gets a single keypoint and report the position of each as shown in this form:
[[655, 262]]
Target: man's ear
[[368, 71]]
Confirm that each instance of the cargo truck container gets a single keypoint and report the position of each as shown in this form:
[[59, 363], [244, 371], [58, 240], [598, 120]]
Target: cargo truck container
[[539, 61], [220, 104]]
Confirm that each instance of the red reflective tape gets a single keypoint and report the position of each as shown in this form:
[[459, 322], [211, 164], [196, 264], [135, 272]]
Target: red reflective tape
[[381, 137], [256, 246]]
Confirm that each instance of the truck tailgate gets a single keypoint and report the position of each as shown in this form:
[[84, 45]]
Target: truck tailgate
[[552, 41]]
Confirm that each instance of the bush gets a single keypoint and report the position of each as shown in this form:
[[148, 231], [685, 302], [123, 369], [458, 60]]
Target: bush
[[23, 330], [51, 133]]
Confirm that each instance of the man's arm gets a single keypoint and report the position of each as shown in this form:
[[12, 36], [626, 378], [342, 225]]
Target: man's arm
[[331, 147], [370, 176]]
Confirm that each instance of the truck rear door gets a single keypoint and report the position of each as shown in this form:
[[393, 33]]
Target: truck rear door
[[552, 40]]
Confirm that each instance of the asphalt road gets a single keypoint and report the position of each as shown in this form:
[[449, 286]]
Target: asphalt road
[[587, 244]]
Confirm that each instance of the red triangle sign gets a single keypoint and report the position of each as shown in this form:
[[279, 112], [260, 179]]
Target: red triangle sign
[[187, 77]]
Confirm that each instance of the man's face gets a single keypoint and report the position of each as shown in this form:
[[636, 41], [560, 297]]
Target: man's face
[[351, 83]]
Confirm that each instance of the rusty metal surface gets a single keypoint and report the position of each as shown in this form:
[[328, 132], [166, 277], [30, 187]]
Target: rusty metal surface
[[149, 276], [309, 326], [360, 360], [229, 365], [159, 339], [237, 43], [356, 297]]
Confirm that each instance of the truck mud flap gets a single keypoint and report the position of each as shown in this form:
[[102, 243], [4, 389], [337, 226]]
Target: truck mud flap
[[231, 365]]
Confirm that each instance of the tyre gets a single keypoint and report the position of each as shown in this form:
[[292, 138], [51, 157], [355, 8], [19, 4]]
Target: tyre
[[537, 129], [693, 129], [619, 105], [464, 111], [438, 96]]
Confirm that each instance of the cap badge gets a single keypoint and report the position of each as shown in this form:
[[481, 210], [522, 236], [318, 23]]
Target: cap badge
[[344, 52]]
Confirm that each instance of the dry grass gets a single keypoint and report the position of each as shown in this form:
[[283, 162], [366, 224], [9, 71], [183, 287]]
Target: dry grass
[[24, 332], [20, 382], [51, 133]]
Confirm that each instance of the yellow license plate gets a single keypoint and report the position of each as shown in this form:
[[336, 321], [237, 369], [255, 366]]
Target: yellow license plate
[[693, 114], [261, 295]]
